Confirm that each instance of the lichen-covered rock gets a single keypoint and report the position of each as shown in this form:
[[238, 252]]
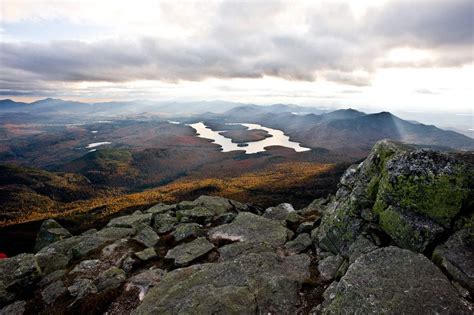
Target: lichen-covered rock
[[197, 214], [456, 257], [110, 279], [409, 230], [342, 222], [53, 291], [420, 194], [87, 244], [429, 183], [131, 221], [185, 253], [262, 281], [161, 208], [50, 232], [114, 233], [230, 251], [215, 204], [187, 230], [164, 222], [395, 281], [279, 212], [146, 254], [248, 227], [147, 236], [19, 272], [412, 195], [299, 244], [328, 267]]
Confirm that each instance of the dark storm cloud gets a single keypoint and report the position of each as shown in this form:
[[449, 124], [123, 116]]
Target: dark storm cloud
[[246, 41]]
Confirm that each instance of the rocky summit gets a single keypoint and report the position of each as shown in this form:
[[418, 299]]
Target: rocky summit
[[397, 238]]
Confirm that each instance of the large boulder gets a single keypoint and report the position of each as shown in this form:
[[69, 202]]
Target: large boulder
[[395, 281], [50, 232], [419, 196], [264, 282], [342, 221], [413, 196]]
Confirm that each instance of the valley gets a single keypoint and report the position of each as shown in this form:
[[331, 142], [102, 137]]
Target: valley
[[86, 168]]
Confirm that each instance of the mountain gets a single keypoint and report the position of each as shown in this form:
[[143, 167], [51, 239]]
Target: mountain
[[396, 238], [27, 190], [363, 131]]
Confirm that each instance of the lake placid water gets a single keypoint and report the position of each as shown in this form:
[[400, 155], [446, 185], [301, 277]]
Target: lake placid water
[[96, 144], [278, 138]]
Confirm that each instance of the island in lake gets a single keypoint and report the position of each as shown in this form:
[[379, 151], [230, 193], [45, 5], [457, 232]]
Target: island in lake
[[243, 136]]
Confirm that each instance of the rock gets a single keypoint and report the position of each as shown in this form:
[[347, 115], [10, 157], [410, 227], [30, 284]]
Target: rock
[[56, 275], [5, 296], [144, 281], [87, 244], [329, 266], [224, 218], [342, 223], [50, 232], [233, 250], [299, 244], [316, 206], [147, 236], [50, 260], [198, 214], [53, 291], [428, 183], [395, 281], [87, 266], [293, 218], [262, 281], [131, 221], [127, 264], [81, 287], [409, 230], [217, 205], [164, 223], [185, 253], [20, 272], [16, 308], [115, 233], [456, 257], [161, 208], [110, 279], [360, 247], [187, 230], [279, 212], [146, 254], [305, 227], [248, 227]]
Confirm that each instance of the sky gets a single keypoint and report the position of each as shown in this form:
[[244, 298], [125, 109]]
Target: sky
[[412, 56]]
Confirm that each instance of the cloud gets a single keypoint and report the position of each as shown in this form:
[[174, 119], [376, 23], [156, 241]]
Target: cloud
[[299, 41]]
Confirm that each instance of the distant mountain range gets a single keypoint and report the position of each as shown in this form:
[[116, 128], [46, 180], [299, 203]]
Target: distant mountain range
[[335, 130]]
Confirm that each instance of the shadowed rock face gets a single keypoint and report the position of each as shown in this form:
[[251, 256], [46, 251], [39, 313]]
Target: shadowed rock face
[[365, 250]]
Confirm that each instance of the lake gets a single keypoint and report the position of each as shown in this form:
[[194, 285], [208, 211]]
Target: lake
[[278, 139]]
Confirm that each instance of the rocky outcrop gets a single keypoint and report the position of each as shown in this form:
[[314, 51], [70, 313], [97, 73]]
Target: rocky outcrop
[[413, 196], [396, 238], [391, 280]]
